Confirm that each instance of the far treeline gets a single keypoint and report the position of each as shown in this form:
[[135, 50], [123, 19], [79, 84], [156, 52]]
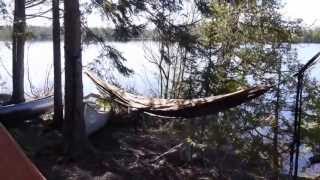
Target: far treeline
[[43, 33], [310, 36]]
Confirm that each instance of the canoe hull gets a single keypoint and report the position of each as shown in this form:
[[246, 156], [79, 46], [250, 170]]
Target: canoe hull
[[12, 115], [94, 119], [26, 110]]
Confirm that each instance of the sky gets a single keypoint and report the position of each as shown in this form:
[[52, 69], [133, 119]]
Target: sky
[[307, 10]]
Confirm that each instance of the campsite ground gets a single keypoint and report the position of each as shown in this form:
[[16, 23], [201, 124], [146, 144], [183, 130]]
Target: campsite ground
[[128, 153]]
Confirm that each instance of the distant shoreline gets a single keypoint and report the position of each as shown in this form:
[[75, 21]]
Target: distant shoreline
[[42, 33]]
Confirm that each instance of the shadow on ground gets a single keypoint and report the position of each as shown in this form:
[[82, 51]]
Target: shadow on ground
[[124, 153]]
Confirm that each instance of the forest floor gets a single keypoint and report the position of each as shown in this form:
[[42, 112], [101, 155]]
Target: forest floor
[[128, 153]]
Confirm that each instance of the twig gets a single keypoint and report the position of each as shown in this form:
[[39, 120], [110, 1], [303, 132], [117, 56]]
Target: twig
[[170, 151]]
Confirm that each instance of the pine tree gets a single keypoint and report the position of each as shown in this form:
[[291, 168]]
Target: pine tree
[[58, 106], [18, 41], [74, 125]]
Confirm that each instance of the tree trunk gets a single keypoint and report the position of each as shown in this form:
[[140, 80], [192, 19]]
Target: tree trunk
[[18, 41], [74, 127], [58, 107]]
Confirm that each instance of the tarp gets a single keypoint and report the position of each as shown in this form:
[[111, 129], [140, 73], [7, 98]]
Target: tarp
[[14, 164], [185, 108]]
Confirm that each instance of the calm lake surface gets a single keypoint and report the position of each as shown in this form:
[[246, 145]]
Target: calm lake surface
[[38, 64]]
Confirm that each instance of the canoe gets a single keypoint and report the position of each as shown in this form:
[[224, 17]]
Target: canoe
[[26, 110], [95, 117]]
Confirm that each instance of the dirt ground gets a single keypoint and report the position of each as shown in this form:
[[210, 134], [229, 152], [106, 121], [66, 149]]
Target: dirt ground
[[126, 153]]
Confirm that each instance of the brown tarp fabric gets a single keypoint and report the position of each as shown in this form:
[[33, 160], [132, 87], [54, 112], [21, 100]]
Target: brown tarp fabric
[[14, 164], [184, 108]]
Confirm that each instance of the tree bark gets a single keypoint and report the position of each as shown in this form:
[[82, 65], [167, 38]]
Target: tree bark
[[74, 127], [18, 41], [58, 107]]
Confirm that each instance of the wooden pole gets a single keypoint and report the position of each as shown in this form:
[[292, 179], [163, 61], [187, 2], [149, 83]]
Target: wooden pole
[[298, 118]]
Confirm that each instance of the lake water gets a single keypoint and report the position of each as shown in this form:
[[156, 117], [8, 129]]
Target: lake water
[[38, 58], [39, 61]]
